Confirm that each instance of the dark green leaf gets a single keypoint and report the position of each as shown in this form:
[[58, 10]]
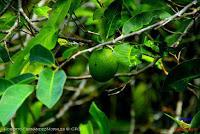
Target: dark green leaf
[[195, 123], [24, 78], [50, 86], [12, 99], [4, 55], [111, 17], [180, 75], [100, 118], [40, 54], [4, 84]]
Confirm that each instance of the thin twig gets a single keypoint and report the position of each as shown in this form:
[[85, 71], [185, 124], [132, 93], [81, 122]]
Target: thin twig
[[90, 42], [26, 17]]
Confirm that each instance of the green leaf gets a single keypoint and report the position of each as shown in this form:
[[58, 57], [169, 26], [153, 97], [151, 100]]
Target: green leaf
[[74, 5], [141, 19], [4, 55], [195, 121], [12, 99], [42, 11], [137, 22], [86, 128], [40, 54], [100, 118], [50, 86], [69, 52], [151, 44], [4, 84], [127, 55], [47, 37], [111, 18], [179, 76], [27, 115], [7, 20], [24, 78]]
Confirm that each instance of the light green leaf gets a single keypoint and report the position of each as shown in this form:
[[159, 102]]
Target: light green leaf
[[100, 118], [50, 86], [12, 99], [86, 128], [4, 84], [40, 54], [127, 55], [42, 11]]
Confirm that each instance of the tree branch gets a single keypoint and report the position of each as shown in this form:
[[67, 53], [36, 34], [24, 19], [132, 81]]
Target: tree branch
[[122, 37]]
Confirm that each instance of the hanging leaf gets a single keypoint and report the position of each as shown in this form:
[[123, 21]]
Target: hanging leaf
[[24, 78], [40, 54], [50, 86], [111, 17], [179, 76], [12, 99], [4, 84], [100, 118]]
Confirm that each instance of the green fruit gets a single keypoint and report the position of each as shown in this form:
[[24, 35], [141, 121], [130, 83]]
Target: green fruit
[[103, 65]]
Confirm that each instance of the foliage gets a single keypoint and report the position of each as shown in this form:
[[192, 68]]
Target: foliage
[[138, 60]]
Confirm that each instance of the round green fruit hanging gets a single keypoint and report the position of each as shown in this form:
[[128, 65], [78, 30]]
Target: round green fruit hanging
[[103, 65]]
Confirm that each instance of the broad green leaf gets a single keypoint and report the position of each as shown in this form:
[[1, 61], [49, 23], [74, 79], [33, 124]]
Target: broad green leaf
[[50, 86], [4, 55], [137, 22], [12, 99], [100, 118], [179, 76], [143, 18], [42, 55], [69, 52], [42, 11], [24, 78], [24, 117], [98, 13], [4, 84], [111, 18], [47, 37], [195, 121], [86, 128], [127, 55]]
